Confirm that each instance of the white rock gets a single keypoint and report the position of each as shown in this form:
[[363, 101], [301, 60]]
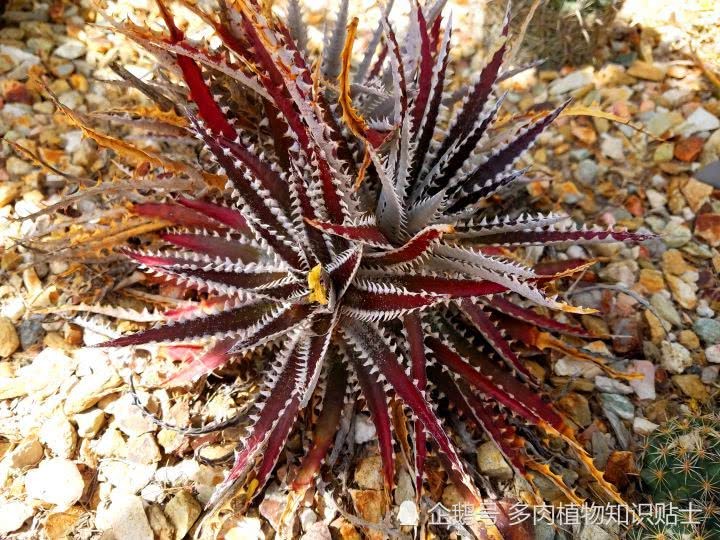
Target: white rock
[[567, 367], [408, 513], [317, 531], [203, 478], [709, 374], [656, 199], [56, 481], [89, 422], [364, 429], [49, 370], [206, 481], [143, 449], [699, 120], [58, 267], [612, 147], [91, 337], [125, 476], [712, 354], [178, 475], [612, 386], [645, 387], [102, 512], [182, 511], [272, 505], [126, 518], [13, 515], [576, 252], [329, 509], [246, 528], [70, 50], [13, 308], [16, 167], [675, 357], [88, 391], [703, 308], [643, 426], [677, 96], [13, 165], [129, 418], [659, 181], [19, 56], [573, 81], [153, 492], [307, 518], [110, 444], [58, 434]]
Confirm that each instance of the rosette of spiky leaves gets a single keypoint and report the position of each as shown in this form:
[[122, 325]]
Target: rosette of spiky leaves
[[358, 238]]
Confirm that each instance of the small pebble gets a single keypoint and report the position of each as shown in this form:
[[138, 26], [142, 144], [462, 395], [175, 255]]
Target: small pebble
[[643, 426], [126, 518], [491, 462], [612, 386], [709, 374], [31, 332], [89, 423], [712, 354], [56, 481], [645, 387], [675, 357], [364, 429], [182, 511], [573, 81], [618, 404], [408, 514], [708, 330], [13, 515], [613, 148], [59, 435], [70, 50], [699, 120], [9, 341], [28, 453]]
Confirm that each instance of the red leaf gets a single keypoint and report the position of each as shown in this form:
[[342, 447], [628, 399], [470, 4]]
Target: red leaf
[[212, 245], [493, 336], [527, 315], [201, 327], [324, 429], [377, 352], [176, 214], [229, 217], [366, 234], [414, 248], [487, 385], [376, 400], [199, 92], [418, 361]]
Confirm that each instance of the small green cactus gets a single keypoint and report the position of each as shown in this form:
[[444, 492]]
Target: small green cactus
[[682, 460], [681, 466], [562, 32]]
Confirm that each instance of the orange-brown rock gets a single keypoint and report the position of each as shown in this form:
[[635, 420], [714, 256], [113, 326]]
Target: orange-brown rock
[[689, 149]]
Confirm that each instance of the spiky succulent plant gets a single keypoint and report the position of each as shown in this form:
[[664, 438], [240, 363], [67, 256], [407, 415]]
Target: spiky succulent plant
[[362, 246], [681, 465]]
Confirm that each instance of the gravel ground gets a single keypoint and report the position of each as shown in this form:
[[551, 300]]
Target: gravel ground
[[79, 459]]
